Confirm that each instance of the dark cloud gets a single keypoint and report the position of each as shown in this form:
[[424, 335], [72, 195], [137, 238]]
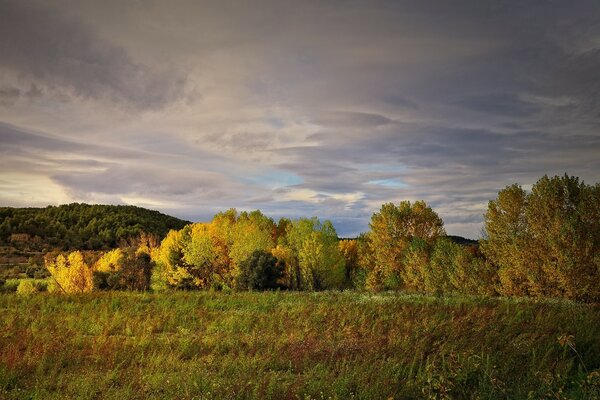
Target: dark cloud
[[505, 104], [355, 120], [43, 44]]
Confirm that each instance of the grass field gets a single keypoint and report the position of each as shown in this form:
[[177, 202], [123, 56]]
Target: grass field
[[340, 345]]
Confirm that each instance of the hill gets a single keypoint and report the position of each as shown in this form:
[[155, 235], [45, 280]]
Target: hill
[[79, 226]]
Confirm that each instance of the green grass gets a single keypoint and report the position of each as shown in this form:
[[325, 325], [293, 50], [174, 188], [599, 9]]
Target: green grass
[[205, 345]]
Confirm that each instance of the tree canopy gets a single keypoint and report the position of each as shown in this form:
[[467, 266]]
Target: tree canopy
[[80, 226]]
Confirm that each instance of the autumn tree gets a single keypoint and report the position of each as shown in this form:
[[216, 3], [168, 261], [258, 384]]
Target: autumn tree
[[124, 269], [171, 270], [547, 242], [506, 237], [252, 232], [393, 228], [315, 248], [70, 274], [208, 255]]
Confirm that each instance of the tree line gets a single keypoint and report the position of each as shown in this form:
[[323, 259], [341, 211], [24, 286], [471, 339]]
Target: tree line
[[80, 226], [545, 243]]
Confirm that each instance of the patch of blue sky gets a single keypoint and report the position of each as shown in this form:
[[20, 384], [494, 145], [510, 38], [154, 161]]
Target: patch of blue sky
[[274, 178], [391, 183], [275, 122]]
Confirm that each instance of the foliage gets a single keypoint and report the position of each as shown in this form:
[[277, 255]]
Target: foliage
[[260, 271], [416, 270], [123, 270], [70, 274], [282, 344], [26, 287], [393, 228], [210, 255], [314, 245], [547, 242], [352, 271], [80, 226]]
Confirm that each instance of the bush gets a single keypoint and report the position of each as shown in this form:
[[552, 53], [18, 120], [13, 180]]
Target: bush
[[132, 272], [259, 272], [26, 287], [10, 286]]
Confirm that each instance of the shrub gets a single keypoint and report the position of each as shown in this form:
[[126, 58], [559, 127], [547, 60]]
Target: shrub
[[260, 271], [26, 287]]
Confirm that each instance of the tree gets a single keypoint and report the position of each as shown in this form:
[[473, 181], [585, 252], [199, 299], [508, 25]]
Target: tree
[[547, 242], [260, 271], [315, 247], [416, 265], [71, 274], [392, 230], [200, 257], [506, 237], [349, 252], [251, 232], [171, 267]]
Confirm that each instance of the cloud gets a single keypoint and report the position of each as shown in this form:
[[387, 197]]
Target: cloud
[[45, 46], [306, 108]]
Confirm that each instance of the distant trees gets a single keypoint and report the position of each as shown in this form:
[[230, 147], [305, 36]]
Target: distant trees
[[547, 242], [208, 255], [127, 268], [80, 226], [407, 249], [211, 255]]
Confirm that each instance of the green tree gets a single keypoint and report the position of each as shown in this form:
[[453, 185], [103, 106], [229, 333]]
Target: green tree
[[260, 271], [320, 264]]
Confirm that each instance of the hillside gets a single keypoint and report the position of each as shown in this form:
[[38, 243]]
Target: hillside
[[79, 226]]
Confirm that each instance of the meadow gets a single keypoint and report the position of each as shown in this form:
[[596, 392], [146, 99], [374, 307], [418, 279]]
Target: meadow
[[296, 345]]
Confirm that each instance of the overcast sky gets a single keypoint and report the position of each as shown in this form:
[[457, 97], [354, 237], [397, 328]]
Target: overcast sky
[[296, 108]]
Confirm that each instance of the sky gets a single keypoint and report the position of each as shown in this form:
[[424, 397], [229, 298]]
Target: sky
[[298, 108]]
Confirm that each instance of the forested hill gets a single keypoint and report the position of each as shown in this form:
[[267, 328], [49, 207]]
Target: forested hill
[[80, 226]]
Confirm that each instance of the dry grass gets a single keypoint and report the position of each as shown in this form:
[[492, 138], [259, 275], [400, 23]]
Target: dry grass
[[199, 345]]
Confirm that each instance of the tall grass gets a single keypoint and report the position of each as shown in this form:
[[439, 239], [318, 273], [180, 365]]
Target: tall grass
[[292, 345]]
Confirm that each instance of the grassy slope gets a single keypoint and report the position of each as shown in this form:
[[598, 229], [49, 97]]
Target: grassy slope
[[293, 345]]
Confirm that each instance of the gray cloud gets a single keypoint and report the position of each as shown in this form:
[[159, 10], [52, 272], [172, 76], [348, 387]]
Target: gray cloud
[[307, 108], [43, 44]]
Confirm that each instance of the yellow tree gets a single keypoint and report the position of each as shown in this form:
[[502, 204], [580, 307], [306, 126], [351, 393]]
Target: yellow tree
[[251, 232], [71, 274], [546, 243], [315, 246], [506, 239], [111, 261], [393, 228], [171, 269]]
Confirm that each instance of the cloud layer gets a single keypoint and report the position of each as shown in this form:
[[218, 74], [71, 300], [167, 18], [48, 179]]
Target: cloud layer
[[295, 108]]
